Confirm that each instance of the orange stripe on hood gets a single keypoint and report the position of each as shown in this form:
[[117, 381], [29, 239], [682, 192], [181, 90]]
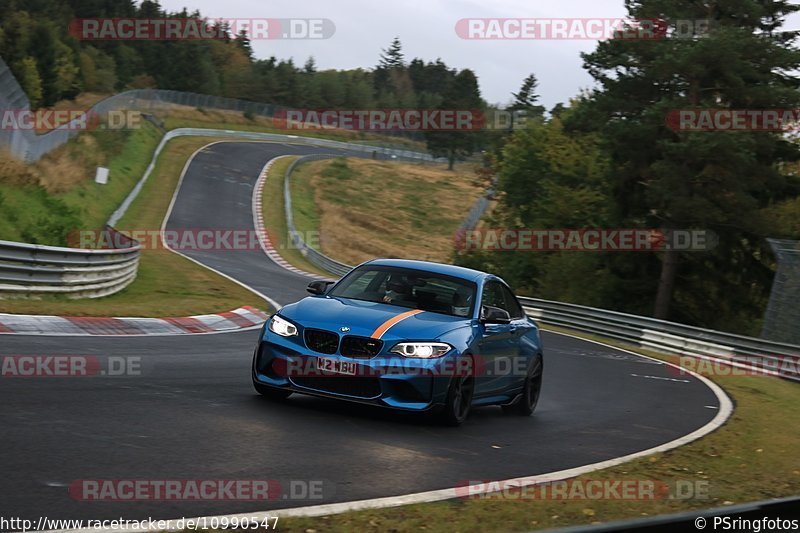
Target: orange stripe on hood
[[383, 328]]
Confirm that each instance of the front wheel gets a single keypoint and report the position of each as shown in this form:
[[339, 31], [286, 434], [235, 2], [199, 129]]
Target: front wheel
[[526, 405], [459, 400], [274, 394]]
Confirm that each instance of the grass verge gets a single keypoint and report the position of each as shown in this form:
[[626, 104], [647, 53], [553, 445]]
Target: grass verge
[[42, 203], [752, 457], [167, 284]]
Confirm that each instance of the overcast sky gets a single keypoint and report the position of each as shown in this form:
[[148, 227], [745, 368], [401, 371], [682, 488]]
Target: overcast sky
[[427, 30]]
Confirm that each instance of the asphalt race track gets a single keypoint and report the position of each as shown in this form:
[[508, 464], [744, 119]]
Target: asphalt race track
[[194, 415]]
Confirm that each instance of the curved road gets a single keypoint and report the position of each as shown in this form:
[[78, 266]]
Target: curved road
[[193, 413]]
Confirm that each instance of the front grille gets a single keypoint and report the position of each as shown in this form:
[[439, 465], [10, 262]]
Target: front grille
[[321, 341], [358, 386], [360, 346]]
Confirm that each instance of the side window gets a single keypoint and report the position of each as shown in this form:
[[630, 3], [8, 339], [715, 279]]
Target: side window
[[512, 305], [360, 285], [493, 295]]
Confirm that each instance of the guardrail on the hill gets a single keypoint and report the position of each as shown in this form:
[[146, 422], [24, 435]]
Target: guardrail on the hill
[[29, 146], [317, 258], [30, 270], [680, 339]]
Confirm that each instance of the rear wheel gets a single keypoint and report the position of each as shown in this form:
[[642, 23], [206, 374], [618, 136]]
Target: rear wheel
[[277, 395], [459, 400], [526, 404]]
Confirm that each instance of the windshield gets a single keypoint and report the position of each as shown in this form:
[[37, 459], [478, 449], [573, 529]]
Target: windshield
[[413, 289]]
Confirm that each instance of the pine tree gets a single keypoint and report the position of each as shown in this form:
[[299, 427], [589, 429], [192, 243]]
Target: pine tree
[[526, 99], [464, 94], [392, 58], [243, 42], [716, 181]]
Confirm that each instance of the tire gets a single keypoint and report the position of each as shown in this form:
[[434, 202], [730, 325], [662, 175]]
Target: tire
[[272, 393], [459, 400], [526, 404]]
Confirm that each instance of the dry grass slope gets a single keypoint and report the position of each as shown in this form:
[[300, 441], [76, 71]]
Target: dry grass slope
[[367, 209]]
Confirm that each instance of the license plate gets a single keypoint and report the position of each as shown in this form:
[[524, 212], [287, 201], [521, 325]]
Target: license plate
[[337, 367]]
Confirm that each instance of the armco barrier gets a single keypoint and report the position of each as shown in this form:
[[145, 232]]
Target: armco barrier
[[30, 270], [670, 337], [658, 335], [317, 258], [29, 146]]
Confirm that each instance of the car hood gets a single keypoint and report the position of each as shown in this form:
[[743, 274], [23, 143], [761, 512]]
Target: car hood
[[364, 318]]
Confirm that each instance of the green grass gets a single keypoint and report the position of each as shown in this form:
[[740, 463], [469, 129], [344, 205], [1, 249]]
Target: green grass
[[752, 457], [304, 205], [29, 213], [167, 284]]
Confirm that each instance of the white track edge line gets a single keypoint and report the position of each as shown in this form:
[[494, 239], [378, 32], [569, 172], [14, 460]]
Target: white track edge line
[[258, 220], [266, 298], [724, 412]]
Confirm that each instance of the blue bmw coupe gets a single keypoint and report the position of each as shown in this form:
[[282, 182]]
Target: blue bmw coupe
[[409, 335]]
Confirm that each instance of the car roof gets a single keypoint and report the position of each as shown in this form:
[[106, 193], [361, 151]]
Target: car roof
[[435, 268]]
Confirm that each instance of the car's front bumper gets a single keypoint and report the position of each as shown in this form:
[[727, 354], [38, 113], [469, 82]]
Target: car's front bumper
[[387, 380]]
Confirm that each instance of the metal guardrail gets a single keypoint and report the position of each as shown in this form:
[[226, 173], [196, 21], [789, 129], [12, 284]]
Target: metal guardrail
[[29, 146], [659, 335], [317, 258], [31, 270], [28, 270]]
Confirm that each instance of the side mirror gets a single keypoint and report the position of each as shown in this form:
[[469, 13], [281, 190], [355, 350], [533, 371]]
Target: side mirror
[[494, 315], [318, 287]]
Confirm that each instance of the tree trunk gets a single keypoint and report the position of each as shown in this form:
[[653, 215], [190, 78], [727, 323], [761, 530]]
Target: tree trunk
[[666, 284]]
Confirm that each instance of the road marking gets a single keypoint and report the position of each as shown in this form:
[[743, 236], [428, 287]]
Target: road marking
[[662, 378], [725, 411], [272, 302]]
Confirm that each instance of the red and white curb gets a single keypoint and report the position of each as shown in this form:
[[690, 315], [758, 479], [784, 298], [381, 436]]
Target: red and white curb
[[240, 319], [261, 231]]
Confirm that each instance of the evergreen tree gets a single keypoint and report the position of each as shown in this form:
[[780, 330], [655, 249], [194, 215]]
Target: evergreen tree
[[715, 181], [526, 99], [464, 94]]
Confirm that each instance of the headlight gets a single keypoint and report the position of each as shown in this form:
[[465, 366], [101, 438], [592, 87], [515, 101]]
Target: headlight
[[422, 350], [282, 327]]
